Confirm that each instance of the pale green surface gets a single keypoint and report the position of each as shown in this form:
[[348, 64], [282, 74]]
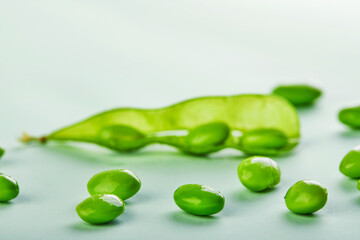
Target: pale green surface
[[62, 61]]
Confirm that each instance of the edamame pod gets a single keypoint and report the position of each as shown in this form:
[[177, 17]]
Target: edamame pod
[[199, 200], [298, 95], [9, 188], [206, 124], [350, 117], [100, 208], [120, 182], [350, 164], [306, 197]]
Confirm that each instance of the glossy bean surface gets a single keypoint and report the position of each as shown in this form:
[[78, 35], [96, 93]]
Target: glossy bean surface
[[306, 197], [350, 164], [199, 199], [259, 173], [120, 182], [298, 94], [350, 117], [9, 188], [100, 208]]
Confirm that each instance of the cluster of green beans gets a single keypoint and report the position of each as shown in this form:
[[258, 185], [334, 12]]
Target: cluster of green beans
[[257, 174], [9, 187], [108, 190], [202, 126]]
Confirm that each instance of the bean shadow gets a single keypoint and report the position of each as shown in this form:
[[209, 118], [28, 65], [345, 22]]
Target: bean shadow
[[126, 217], [189, 219], [350, 133], [298, 219], [5, 204], [348, 184], [140, 197], [305, 109], [357, 200], [85, 227], [246, 195]]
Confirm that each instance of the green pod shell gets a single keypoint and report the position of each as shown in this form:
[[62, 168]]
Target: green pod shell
[[298, 94], [206, 138], [350, 117], [350, 164], [259, 173], [263, 141], [100, 208], [199, 200], [306, 197], [9, 188], [128, 129], [120, 182]]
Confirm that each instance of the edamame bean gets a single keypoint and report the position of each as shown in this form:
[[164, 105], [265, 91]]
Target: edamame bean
[[9, 188], [350, 164], [259, 173], [207, 138], [298, 94], [121, 138], [306, 197], [263, 141], [100, 208], [199, 200], [2, 151], [350, 117], [128, 129], [120, 182]]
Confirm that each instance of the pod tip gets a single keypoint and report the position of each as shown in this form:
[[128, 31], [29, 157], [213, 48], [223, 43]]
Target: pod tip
[[26, 138]]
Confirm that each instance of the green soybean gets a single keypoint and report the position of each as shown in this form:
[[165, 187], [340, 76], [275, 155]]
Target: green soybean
[[207, 138], [298, 94], [259, 173], [350, 117], [100, 208], [2, 151], [120, 182], [306, 197], [206, 124], [199, 200], [350, 164], [121, 138], [9, 188], [263, 141]]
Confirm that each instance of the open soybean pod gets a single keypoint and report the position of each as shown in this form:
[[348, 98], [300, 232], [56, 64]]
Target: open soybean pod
[[207, 124]]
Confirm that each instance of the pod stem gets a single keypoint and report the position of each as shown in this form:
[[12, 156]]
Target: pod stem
[[26, 138]]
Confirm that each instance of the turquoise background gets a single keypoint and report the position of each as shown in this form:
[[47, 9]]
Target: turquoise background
[[62, 61]]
